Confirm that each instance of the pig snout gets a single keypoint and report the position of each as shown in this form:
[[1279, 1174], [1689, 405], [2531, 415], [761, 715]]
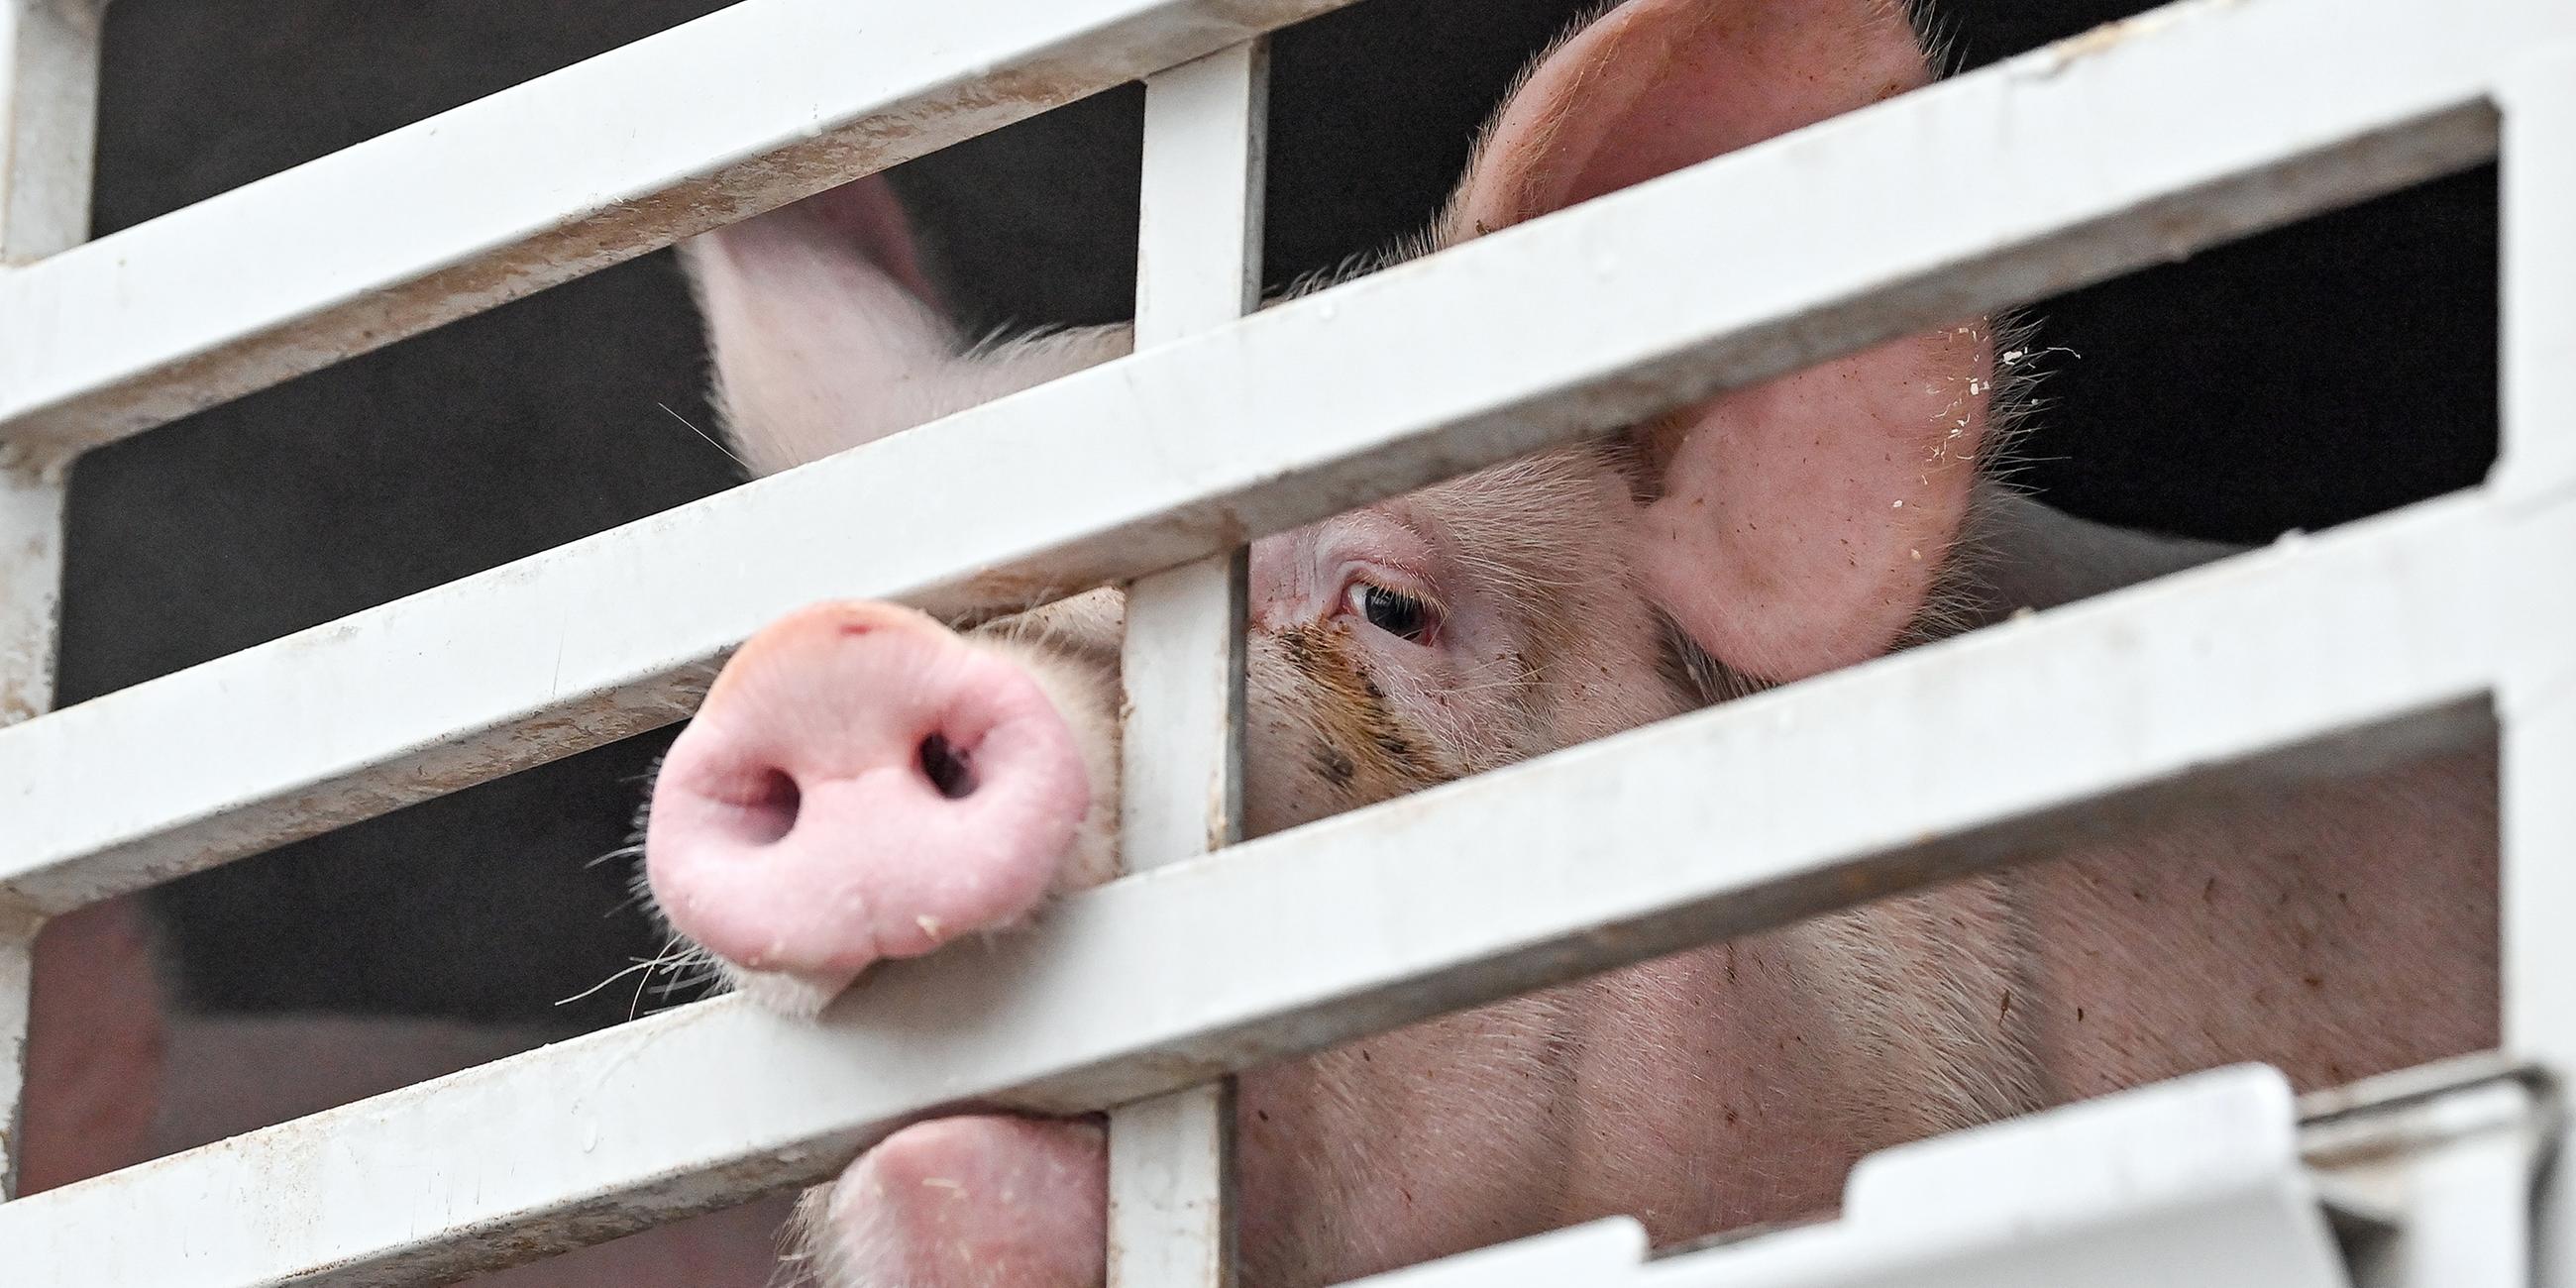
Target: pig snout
[[1011, 1202], [861, 783]]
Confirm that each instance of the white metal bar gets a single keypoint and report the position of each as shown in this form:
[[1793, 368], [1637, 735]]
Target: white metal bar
[[1171, 1159], [1171, 1188], [1199, 217], [2539, 892], [2537, 706], [31, 568], [1717, 824], [739, 111], [48, 123], [2538, 210], [2471, 1222], [31, 550], [2171, 139], [2538, 700], [17, 983]]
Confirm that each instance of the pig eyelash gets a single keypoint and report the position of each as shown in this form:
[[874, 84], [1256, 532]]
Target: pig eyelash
[[1409, 617]]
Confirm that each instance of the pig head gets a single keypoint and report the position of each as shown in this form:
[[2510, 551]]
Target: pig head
[[1763, 536], [864, 784]]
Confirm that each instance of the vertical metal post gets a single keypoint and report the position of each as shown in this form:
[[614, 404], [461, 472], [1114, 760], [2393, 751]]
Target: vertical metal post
[[1198, 266], [2538, 896], [2538, 210], [48, 130], [2537, 701]]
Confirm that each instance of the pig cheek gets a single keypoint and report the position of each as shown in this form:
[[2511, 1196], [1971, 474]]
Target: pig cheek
[[1294, 771], [1290, 777]]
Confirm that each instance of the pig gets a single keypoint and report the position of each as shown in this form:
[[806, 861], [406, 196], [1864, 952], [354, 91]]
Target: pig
[[953, 783], [864, 783]]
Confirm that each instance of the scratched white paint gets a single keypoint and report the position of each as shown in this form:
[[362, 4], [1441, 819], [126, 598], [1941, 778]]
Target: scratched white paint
[[1171, 1159], [49, 52], [48, 124]]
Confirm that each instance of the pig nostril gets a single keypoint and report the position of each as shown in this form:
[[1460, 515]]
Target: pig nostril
[[771, 810], [946, 768]]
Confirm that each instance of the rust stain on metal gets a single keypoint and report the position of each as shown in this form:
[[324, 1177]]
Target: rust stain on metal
[[1220, 814], [23, 697], [1195, 531]]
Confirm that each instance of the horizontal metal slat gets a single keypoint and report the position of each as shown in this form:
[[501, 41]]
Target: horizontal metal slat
[[2173, 137], [734, 113], [1712, 825]]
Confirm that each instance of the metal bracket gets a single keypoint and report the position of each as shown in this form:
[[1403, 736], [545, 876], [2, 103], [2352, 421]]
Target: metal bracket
[[2217, 1180], [2428, 1173]]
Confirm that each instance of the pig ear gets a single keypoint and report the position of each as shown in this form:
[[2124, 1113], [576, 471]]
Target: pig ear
[[825, 334], [1796, 525], [1655, 85]]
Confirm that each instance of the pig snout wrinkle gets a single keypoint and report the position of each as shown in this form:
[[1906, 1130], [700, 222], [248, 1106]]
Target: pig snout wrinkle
[[861, 784]]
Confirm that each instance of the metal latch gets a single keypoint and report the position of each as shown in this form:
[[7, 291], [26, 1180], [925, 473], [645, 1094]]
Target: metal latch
[[2211, 1181]]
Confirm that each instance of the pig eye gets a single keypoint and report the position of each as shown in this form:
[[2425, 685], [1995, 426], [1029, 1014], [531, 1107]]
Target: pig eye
[[1398, 614]]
